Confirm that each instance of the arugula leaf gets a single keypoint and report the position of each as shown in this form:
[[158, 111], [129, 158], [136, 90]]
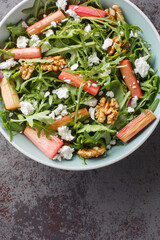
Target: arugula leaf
[[16, 30], [33, 10], [35, 60], [95, 128], [41, 117], [6, 54]]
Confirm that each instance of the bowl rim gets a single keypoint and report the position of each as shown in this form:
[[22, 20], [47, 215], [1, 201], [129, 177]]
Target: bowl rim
[[96, 166]]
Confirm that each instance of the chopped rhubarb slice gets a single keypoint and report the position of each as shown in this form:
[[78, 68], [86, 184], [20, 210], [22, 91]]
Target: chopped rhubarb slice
[[135, 126], [37, 27], [9, 95], [84, 11], [76, 80], [130, 78], [67, 119], [26, 53], [49, 147]]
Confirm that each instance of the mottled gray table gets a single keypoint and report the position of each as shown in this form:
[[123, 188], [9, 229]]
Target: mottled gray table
[[119, 202]]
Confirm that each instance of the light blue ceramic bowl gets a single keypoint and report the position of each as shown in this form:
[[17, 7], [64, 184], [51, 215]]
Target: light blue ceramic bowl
[[134, 16]]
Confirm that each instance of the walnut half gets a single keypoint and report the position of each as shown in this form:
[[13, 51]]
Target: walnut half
[[92, 152], [58, 64], [107, 110], [26, 70]]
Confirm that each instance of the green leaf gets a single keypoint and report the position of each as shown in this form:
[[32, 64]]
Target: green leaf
[[95, 128], [154, 105], [41, 116], [16, 30], [33, 10], [6, 54], [35, 60]]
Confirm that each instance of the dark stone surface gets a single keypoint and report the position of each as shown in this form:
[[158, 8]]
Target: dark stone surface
[[119, 202]]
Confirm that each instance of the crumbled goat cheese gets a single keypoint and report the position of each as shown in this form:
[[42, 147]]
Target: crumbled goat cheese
[[107, 71], [59, 112], [22, 42], [61, 92], [8, 64], [110, 94], [34, 41], [72, 14], [107, 43], [93, 59], [74, 66], [134, 102], [94, 85], [57, 157], [89, 84], [92, 102], [130, 109], [109, 147], [121, 33], [49, 33], [44, 15], [26, 108], [65, 133], [142, 66], [113, 142], [67, 80], [46, 94], [24, 24], [10, 114], [64, 20], [92, 112], [87, 28], [134, 87], [132, 34], [54, 24], [61, 4], [45, 47], [100, 93], [66, 152]]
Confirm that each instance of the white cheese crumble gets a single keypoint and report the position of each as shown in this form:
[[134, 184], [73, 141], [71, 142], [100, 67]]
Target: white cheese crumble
[[94, 85], [107, 43], [26, 108], [72, 14], [109, 147], [8, 64], [121, 33], [142, 66], [92, 102], [100, 93], [24, 24], [65, 133], [107, 71], [110, 94], [67, 80], [49, 33], [87, 28], [93, 59], [113, 142], [22, 42], [132, 34], [45, 47], [92, 112], [65, 152], [64, 20], [74, 66], [54, 24], [61, 92], [61, 4], [34, 41], [59, 112], [130, 109], [46, 94]]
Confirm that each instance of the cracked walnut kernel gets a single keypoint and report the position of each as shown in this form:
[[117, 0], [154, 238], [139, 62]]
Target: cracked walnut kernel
[[92, 152], [58, 63], [107, 110], [114, 13], [26, 70], [111, 50]]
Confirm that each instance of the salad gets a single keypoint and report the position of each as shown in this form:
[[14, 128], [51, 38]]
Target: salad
[[76, 78]]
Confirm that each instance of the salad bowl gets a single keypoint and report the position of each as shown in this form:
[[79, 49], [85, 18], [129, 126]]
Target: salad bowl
[[118, 152]]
